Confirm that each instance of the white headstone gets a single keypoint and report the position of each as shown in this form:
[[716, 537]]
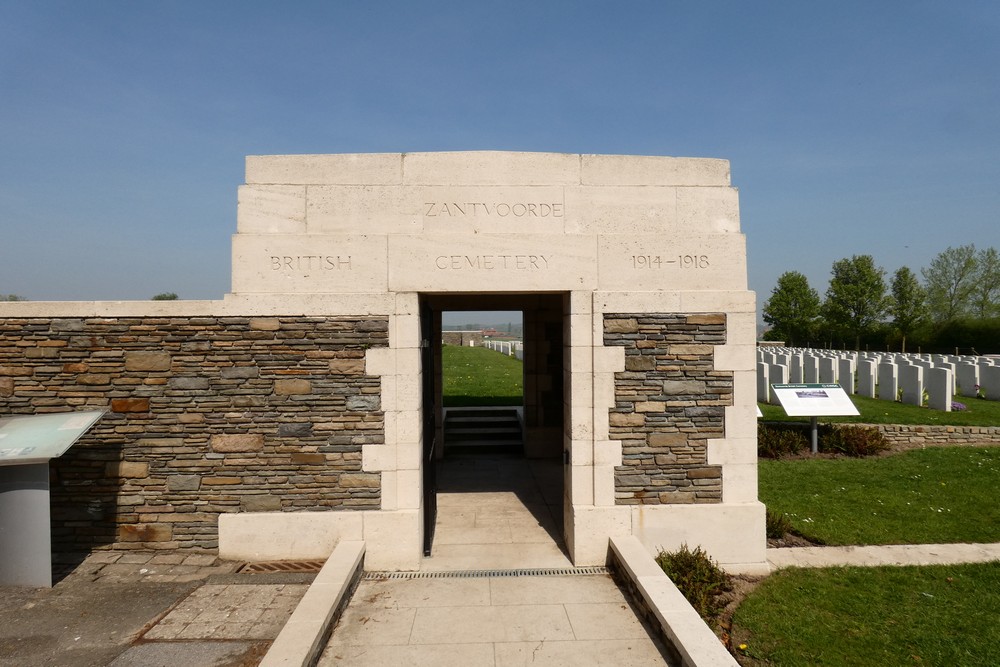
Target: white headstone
[[939, 388], [887, 381], [911, 380], [968, 379]]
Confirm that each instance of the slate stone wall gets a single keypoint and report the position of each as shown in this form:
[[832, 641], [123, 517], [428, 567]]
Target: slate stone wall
[[668, 402], [206, 415]]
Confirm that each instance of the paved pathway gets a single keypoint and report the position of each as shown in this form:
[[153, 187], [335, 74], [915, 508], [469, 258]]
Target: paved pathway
[[493, 513]]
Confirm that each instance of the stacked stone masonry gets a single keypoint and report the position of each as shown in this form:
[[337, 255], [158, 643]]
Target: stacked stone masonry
[[207, 415], [669, 402]]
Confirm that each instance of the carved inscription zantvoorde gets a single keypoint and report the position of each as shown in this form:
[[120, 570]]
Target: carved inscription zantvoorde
[[495, 209], [491, 262], [300, 263]]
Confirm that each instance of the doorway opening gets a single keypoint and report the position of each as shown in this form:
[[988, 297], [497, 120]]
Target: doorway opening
[[493, 406]]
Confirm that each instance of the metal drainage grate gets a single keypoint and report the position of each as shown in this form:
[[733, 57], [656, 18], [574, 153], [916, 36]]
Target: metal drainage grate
[[282, 566], [479, 574]]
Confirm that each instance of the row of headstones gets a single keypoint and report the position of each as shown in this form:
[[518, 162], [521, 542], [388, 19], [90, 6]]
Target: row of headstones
[[887, 376], [510, 348]]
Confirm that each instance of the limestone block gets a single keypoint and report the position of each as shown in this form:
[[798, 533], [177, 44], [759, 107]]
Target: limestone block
[[739, 483], [652, 170], [491, 168], [366, 403], [709, 210], [188, 383], [94, 379], [592, 526], [715, 301], [344, 169], [6, 387], [265, 324], [347, 366], [621, 210], [732, 534], [271, 209], [327, 263], [409, 489], [668, 301], [286, 535], [393, 540], [672, 262], [580, 489], [237, 442]]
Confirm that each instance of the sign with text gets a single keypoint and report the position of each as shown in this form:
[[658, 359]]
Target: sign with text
[[38, 438], [814, 400]]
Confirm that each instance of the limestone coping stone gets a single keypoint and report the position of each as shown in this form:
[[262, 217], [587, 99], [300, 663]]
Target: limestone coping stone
[[694, 641], [484, 168], [302, 638]]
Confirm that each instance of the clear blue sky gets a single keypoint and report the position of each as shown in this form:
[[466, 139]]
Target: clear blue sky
[[852, 127]]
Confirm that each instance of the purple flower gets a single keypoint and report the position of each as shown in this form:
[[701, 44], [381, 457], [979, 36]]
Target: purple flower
[[957, 407]]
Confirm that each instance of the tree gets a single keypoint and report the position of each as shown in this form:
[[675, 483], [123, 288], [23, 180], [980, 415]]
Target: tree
[[855, 299], [166, 296], [11, 297], [907, 302], [984, 295], [949, 281], [793, 308]]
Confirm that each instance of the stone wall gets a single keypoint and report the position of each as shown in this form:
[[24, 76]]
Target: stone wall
[[914, 436], [207, 415], [669, 402]]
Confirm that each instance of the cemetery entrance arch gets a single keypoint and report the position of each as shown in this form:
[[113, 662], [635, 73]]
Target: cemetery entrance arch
[[296, 402]]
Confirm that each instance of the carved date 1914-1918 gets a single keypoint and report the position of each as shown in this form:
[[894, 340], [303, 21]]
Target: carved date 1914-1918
[[678, 261]]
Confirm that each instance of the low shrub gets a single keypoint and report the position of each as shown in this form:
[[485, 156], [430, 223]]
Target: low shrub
[[777, 524], [773, 442], [858, 441], [702, 582]]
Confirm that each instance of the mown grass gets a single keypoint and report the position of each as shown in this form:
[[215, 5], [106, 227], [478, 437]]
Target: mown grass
[[978, 412], [477, 376], [935, 615], [929, 496]]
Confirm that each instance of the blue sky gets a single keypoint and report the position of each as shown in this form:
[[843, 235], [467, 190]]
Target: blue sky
[[852, 127]]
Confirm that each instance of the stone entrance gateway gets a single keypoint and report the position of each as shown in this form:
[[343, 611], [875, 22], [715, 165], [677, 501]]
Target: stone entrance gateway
[[293, 412]]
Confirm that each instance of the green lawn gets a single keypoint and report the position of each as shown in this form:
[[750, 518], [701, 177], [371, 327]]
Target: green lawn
[[929, 496], [478, 376], [936, 615], [979, 412]]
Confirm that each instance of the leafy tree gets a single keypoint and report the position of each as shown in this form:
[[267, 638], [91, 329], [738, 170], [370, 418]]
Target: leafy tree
[[166, 296], [793, 308], [985, 292], [950, 282], [11, 297], [856, 299], [907, 302]]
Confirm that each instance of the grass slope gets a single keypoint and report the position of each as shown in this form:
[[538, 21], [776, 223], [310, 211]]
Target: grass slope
[[929, 496], [478, 376], [935, 615]]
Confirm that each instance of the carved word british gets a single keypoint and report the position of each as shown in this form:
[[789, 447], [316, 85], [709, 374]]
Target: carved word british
[[296, 263]]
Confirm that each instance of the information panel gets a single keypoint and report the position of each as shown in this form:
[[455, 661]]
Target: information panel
[[814, 400], [38, 438]]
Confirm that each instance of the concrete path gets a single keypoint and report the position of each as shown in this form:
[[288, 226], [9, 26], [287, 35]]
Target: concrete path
[[893, 554], [494, 513]]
